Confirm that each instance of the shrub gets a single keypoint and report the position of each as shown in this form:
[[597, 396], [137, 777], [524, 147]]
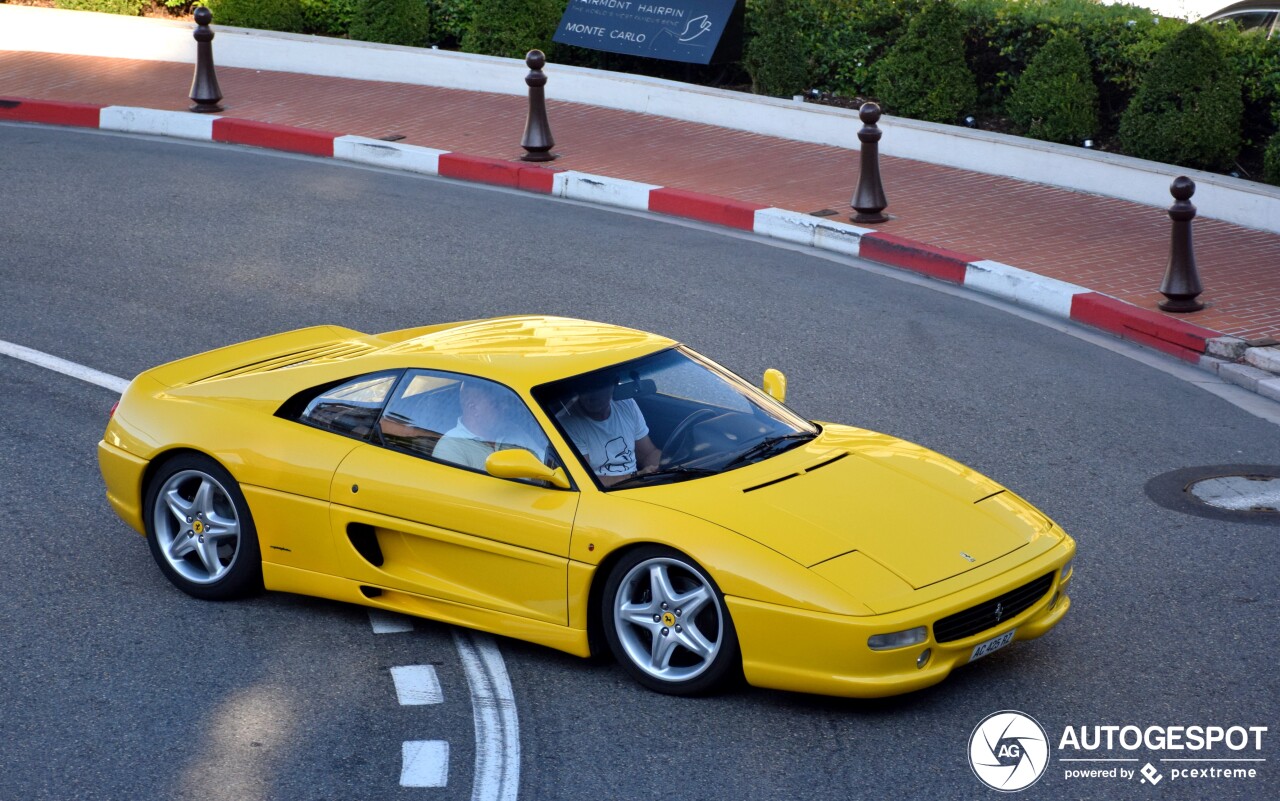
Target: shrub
[[449, 21], [1188, 108], [924, 75], [129, 8], [1271, 160], [401, 22], [512, 27], [1055, 98], [776, 55], [1258, 61], [268, 15], [1119, 40], [329, 17]]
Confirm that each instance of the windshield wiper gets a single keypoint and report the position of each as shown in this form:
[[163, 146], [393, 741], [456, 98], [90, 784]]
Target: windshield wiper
[[765, 445], [681, 473]]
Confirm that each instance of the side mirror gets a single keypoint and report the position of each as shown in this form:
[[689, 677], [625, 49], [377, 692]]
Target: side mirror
[[775, 384], [519, 463]]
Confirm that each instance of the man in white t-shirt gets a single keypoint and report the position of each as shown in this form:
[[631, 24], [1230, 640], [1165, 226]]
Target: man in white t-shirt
[[612, 435]]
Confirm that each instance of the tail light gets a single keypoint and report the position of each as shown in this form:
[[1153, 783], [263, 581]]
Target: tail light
[[112, 413]]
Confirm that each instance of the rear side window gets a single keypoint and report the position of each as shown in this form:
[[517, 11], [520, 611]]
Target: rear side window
[[460, 420], [351, 408]]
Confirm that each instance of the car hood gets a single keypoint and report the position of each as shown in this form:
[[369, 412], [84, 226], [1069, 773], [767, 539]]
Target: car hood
[[924, 517]]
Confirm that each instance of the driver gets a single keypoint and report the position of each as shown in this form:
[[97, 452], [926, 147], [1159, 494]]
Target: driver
[[610, 434]]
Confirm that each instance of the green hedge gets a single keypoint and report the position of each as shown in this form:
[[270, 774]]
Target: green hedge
[[513, 27], [401, 22], [449, 21], [1271, 161], [1055, 98], [328, 17], [271, 15], [924, 74], [129, 8], [1188, 109]]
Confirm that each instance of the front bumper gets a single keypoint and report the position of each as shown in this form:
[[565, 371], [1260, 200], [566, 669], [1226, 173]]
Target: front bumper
[[814, 652]]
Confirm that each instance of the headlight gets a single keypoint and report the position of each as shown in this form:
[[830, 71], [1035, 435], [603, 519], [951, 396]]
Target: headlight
[[898, 639], [1066, 569]]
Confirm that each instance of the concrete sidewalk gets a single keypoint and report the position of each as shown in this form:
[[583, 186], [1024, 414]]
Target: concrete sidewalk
[[1107, 245]]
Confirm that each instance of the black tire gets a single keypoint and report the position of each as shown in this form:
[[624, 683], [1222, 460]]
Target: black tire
[[691, 648], [200, 531]]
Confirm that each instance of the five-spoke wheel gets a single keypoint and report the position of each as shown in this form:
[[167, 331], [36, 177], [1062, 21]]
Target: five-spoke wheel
[[200, 531], [666, 622]]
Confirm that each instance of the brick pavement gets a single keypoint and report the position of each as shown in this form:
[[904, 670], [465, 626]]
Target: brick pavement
[[1110, 246]]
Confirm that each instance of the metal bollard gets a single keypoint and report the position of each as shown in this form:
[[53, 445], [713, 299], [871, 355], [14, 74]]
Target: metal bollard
[[537, 131], [868, 199], [1181, 281], [204, 86]]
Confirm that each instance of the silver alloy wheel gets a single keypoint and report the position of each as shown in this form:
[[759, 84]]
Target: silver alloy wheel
[[668, 619], [196, 526]]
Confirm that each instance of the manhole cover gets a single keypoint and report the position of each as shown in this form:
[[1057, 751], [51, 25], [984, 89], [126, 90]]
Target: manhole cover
[[1239, 493], [1242, 493]]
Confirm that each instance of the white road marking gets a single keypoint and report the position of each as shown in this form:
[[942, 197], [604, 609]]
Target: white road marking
[[424, 763], [494, 708], [385, 622], [50, 362], [417, 685]]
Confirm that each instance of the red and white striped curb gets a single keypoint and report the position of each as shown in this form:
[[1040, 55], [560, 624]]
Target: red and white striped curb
[[1187, 341]]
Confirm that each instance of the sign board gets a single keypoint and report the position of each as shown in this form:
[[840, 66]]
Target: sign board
[[674, 30]]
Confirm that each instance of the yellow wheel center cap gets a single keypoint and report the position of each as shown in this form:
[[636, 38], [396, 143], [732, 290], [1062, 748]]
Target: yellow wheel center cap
[[197, 527], [668, 620]]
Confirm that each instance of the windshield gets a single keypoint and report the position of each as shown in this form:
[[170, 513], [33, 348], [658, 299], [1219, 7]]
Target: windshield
[[671, 416]]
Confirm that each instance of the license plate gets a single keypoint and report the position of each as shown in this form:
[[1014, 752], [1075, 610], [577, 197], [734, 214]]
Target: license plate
[[982, 649]]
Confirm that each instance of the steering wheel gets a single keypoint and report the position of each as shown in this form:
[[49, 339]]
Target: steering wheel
[[677, 442]]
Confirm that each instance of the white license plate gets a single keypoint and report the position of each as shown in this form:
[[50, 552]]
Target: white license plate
[[982, 649]]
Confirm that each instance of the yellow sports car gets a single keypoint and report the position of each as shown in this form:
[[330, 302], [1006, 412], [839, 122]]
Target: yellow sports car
[[585, 487]]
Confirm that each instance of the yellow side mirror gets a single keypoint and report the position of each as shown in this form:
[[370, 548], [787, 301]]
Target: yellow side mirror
[[519, 463], [775, 384]]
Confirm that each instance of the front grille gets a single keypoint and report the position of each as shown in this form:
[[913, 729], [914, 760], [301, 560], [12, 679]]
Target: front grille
[[983, 616]]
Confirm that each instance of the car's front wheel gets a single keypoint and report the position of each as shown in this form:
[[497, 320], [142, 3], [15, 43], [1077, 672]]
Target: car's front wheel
[[200, 531], [666, 622]]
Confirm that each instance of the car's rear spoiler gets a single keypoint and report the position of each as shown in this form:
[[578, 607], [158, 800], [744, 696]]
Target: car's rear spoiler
[[266, 353]]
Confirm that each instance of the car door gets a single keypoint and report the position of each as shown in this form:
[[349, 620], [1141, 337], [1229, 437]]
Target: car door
[[416, 512]]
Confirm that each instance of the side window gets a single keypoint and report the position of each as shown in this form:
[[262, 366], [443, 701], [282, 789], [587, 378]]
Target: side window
[[351, 408], [459, 419]]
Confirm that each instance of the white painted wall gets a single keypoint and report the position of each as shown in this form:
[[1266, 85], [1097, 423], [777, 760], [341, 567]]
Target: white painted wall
[[1246, 203]]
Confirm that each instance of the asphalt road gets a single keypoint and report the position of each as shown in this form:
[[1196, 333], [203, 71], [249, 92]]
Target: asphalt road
[[121, 252]]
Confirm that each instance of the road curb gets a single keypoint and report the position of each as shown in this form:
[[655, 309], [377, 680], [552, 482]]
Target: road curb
[[1183, 340]]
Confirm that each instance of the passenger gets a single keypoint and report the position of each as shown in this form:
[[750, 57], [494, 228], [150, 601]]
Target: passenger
[[610, 434], [489, 422]]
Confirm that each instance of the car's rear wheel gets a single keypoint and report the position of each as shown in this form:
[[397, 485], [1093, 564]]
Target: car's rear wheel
[[200, 531], [666, 622]]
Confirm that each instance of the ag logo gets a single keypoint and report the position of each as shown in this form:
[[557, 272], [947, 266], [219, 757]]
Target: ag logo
[[1008, 751]]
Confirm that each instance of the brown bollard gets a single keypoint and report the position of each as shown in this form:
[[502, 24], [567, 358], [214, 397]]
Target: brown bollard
[[204, 86], [868, 199], [1181, 280], [537, 131]]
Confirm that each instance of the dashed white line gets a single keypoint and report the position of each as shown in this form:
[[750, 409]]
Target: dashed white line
[[50, 362], [493, 705], [384, 622], [417, 685], [424, 763]]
